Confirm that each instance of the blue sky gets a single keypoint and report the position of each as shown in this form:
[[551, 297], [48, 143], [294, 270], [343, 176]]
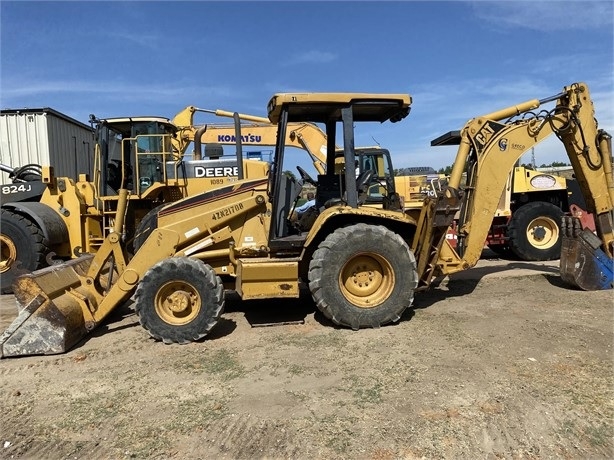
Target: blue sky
[[458, 59]]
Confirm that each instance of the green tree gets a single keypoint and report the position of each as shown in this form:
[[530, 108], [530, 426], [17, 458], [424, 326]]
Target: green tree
[[290, 174]]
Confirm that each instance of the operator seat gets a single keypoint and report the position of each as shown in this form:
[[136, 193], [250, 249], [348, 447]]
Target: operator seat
[[362, 186]]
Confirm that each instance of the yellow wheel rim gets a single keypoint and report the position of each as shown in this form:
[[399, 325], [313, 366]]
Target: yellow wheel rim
[[366, 280], [8, 253], [543, 233], [177, 303]]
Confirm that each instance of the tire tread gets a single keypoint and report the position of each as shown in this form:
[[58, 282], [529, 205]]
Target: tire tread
[[39, 246]]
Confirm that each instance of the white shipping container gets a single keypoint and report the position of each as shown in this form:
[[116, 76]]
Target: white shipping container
[[45, 137]]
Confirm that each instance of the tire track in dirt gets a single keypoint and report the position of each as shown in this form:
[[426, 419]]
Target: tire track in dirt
[[32, 447], [245, 437], [23, 435], [89, 350]]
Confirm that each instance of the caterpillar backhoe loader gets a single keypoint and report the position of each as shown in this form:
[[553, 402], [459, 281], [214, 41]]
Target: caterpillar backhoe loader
[[361, 264]]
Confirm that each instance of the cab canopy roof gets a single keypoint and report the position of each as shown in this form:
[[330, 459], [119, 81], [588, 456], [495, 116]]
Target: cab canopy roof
[[119, 120], [323, 107], [124, 123]]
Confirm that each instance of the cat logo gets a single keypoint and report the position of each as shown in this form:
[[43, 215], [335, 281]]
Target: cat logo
[[486, 133]]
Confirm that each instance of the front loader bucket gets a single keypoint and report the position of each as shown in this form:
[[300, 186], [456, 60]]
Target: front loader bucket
[[583, 263], [53, 311]]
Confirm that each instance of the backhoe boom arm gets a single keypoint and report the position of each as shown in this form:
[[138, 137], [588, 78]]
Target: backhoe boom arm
[[491, 145]]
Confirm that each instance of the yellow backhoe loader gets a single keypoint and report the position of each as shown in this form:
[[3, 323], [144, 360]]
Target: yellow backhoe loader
[[361, 264]]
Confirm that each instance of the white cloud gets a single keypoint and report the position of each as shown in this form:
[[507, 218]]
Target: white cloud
[[144, 40], [546, 15], [17, 89], [312, 57]]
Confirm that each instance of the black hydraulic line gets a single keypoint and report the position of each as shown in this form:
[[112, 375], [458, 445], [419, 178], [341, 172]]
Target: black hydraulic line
[[237, 120]]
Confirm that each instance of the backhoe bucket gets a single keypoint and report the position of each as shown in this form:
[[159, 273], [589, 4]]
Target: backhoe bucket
[[583, 263], [53, 311]]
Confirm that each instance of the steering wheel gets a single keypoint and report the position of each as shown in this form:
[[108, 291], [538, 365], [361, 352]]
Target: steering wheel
[[305, 176]]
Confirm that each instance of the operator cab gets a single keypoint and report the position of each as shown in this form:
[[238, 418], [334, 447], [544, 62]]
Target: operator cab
[[381, 184], [131, 153], [337, 113]]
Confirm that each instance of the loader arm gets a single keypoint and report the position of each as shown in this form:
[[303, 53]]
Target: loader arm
[[69, 301], [491, 145]]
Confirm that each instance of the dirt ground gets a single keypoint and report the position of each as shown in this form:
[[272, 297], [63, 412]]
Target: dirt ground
[[498, 362]]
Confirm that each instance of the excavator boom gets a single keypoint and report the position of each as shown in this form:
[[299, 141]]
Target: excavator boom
[[255, 131], [489, 147]]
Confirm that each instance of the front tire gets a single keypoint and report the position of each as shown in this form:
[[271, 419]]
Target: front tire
[[179, 300], [23, 248], [534, 231], [363, 276], [146, 226]]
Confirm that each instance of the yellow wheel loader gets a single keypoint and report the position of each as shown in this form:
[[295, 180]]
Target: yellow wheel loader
[[362, 264], [48, 219]]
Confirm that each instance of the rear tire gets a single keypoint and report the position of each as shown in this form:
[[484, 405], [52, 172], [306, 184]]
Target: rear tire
[[23, 248], [534, 231], [179, 300], [363, 276]]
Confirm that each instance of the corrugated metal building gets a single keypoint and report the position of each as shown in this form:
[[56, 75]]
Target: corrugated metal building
[[45, 137]]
